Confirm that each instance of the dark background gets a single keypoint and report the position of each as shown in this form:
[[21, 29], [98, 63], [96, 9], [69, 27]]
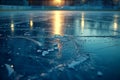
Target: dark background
[[107, 3]]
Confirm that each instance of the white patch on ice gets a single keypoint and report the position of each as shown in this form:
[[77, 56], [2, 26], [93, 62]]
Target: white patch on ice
[[38, 50], [60, 67], [99, 73], [75, 63], [27, 34], [11, 66], [43, 74], [50, 49], [56, 48], [45, 53], [17, 53], [19, 48], [10, 69]]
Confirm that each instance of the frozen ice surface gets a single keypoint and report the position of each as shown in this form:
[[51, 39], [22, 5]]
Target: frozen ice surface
[[45, 53], [60, 45], [9, 69], [99, 73], [56, 48], [50, 50], [78, 62], [27, 34], [39, 51]]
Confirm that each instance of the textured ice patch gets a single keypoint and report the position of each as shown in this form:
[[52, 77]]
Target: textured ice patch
[[77, 62], [99, 73], [44, 53], [9, 69]]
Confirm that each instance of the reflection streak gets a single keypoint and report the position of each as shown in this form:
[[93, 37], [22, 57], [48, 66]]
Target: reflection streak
[[82, 22], [12, 26], [57, 23], [31, 23], [115, 23]]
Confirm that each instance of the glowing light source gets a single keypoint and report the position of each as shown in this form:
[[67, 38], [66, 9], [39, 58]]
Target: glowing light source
[[58, 2]]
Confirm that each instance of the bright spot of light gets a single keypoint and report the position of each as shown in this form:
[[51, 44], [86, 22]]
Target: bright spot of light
[[31, 24], [11, 66], [115, 23], [115, 26], [12, 26], [58, 2], [82, 22]]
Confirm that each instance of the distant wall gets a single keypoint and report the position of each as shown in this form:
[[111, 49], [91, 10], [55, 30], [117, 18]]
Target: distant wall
[[7, 7], [14, 2]]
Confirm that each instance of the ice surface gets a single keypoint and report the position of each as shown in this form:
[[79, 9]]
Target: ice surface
[[99, 73], [60, 44], [45, 53], [78, 62], [9, 69], [39, 51], [50, 50]]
